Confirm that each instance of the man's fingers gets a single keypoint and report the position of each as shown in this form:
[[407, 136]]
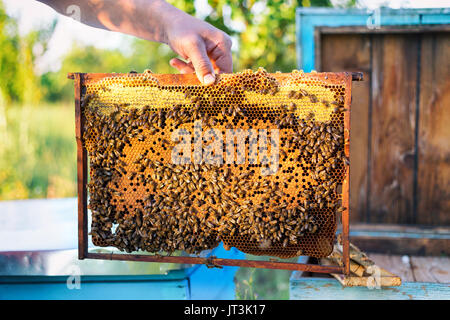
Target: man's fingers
[[207, 57], [223, 64], [222, 60], [200, 60], [182, 66], [216, 68], [221, 55]]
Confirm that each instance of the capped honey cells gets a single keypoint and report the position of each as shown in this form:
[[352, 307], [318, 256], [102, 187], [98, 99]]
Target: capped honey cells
[[147, 193]]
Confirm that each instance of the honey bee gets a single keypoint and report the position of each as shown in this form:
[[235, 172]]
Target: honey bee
[[313, 98], [291, 94], [292, 107]]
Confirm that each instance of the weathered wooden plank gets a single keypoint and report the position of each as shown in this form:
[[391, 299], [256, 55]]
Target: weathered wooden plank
[[398, 193], [386, 29], [401, 239], [398, 230], [395, 264], [433, 177], [412, 246], [375, 276], [392, 143], [431, 269], [369, 281], [336, 259], [352, 53], [327, 289]]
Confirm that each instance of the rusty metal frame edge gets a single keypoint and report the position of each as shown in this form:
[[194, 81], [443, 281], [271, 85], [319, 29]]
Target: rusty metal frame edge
[[346, 182], [83, 252], [81, 172], [217, 262]]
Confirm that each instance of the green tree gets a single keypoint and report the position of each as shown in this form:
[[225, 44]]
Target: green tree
[[18, 81], [56, 86], [264, 29], [10, 89], [143, 55]]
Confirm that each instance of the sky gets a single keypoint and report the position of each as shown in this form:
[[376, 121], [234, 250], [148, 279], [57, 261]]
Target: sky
[[32, 14]]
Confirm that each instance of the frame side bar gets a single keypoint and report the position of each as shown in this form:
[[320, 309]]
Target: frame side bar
[[346, 183], [81, 172], [217, 262]]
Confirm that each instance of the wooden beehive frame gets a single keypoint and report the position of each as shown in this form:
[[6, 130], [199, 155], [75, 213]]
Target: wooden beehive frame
[[82, 165]]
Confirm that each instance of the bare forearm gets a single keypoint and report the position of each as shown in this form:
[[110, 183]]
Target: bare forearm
[[146, 19], [206, 49]]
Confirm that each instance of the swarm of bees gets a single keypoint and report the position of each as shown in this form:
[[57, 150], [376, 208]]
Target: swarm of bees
[[140, 200]]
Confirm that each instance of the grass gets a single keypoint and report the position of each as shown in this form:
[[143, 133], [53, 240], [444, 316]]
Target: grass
[[37, 152], [262, 284]]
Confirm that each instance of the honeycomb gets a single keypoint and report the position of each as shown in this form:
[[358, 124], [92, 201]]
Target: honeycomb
[[256, 161]]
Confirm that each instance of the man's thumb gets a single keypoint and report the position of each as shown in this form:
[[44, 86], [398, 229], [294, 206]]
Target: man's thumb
[[202, 64]]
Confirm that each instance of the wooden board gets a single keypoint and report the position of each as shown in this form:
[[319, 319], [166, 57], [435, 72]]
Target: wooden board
[[375, 276], [400, 158], [400, 231], [401, 239], [394, 264], [352, 52], [369, 281], [413, 246], [433, 178], [394, 76], [431, 269], [327, 289]]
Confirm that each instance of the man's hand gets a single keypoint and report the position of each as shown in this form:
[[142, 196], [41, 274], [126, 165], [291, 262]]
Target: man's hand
[[207, 50]]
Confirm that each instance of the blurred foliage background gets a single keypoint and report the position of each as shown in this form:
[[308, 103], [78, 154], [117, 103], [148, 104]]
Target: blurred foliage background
[[37, 153], [37, 141]]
